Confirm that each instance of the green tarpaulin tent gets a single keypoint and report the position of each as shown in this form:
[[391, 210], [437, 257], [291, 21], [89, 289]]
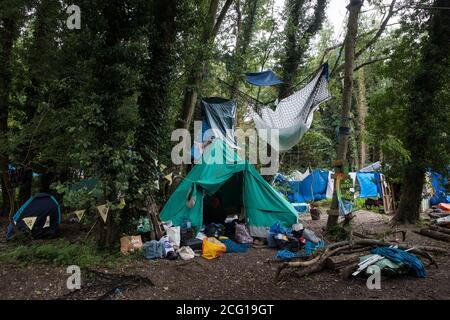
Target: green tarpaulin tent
[[219, 166]]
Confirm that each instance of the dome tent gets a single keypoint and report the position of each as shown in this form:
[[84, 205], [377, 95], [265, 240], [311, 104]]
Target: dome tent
[[45, 209], [263, 205]]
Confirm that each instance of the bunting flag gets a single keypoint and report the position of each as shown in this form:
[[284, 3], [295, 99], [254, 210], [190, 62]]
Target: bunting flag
[[122, 203], [30, 221], [47, 222], [103, 210], [162, 167], [80, 214], [169, 178]]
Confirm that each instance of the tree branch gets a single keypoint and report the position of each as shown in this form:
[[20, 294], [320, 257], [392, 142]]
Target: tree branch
[[380, 30], [220, 18]]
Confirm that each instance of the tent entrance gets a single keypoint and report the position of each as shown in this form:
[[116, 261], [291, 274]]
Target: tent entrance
[[228, 201]]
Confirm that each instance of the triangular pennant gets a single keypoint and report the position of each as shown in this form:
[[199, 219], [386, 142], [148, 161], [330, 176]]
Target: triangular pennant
[[169, 178], [47, 222], [30, 222], [80, 214], [162, 167], [122, 203], [103, 210]]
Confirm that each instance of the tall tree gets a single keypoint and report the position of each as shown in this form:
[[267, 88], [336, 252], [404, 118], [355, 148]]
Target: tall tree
[[11, 16], [362, 114], [428, 98], [299, 30], [350, 40], [40, 58], [155, 101], [243, 39], [196, 72]]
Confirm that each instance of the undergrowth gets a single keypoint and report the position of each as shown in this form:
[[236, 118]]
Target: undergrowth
[[60, 253]]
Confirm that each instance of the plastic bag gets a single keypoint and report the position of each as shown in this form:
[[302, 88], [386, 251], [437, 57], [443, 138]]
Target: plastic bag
[[212, 248], [242, 234], [174, 235], [153, 250], [186, 253], [130, 244]]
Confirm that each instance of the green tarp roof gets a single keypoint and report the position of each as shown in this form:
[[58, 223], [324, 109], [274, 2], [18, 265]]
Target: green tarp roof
[[263, 205]]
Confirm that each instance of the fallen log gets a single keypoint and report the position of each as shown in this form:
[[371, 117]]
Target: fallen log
[[439, 229], [342, 261], [434, 235], [319, 262]]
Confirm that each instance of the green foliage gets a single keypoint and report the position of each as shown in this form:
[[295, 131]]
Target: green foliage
[[60, 253]]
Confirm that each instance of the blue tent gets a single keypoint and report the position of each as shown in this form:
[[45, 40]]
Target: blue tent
[[46, 209], [440, 193], [263, 79]]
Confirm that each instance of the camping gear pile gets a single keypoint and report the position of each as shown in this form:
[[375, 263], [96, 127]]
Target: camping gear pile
[[293, 242], [210, 242]]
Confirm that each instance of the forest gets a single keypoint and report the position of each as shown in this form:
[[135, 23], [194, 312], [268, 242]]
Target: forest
[[91, 92]]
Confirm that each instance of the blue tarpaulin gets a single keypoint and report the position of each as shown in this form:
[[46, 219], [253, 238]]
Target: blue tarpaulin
[[440, 194], [370, 185], [312, 188], [263, 79]]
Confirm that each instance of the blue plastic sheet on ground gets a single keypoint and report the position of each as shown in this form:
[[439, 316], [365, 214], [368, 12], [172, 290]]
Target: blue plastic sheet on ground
[[310, 246], [233, 247], [287, 255], [401, 256]]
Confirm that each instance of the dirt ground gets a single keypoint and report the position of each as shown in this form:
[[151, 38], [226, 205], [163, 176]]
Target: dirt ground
[[232, 276]]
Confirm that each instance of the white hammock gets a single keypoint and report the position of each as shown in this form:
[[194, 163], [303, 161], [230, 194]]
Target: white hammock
[[293, 115]]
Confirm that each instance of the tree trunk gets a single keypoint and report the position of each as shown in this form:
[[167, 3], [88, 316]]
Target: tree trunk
[[344, 132], [25, 186], [8, 34], [243, 39], [200, 65], [298, 39], [362, 114], [423, 106]]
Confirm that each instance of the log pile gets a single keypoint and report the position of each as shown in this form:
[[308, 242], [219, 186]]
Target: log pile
[[436, 233], [344, 257]]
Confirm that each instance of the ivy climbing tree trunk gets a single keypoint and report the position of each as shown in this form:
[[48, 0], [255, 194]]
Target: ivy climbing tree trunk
[[424, 104], [10, 17], [298, 31], [344, 131], [362, 114], [243, 40], [40, 59]]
